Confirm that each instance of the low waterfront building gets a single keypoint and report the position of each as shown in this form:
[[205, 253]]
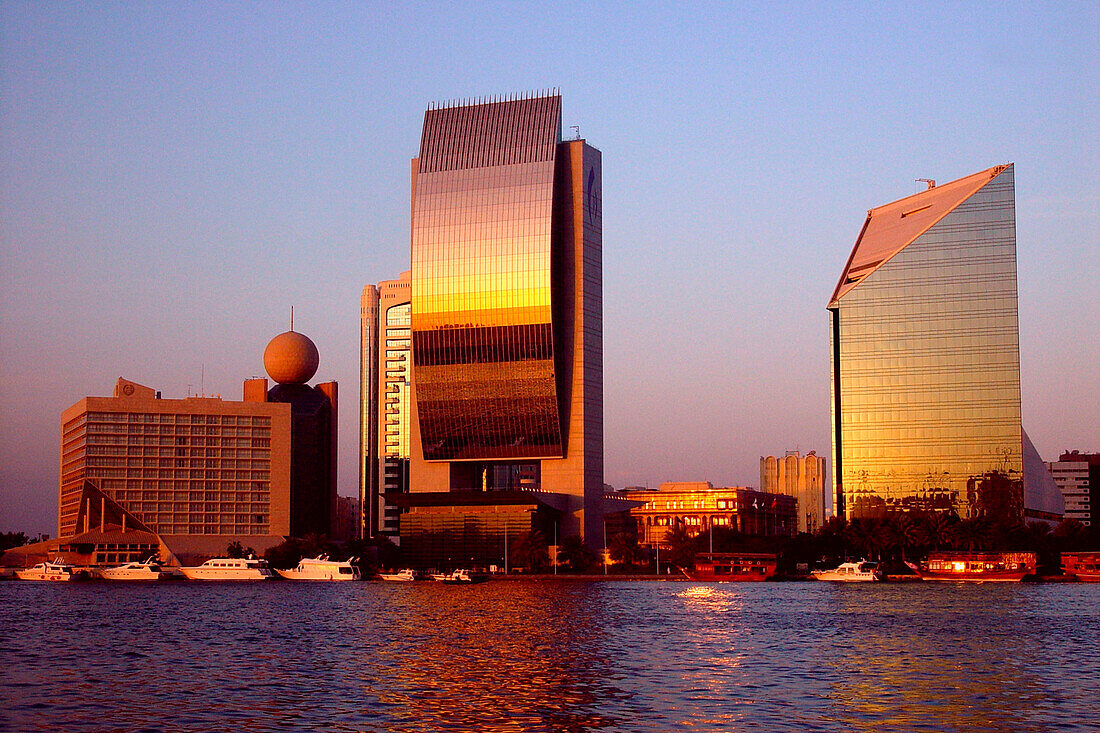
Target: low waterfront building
[[800, 476], [698, 505]]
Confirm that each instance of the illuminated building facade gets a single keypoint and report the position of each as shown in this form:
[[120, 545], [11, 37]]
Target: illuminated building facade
[[800, 476], [507, 311], [926, 361], [698, 505], [385, 402]]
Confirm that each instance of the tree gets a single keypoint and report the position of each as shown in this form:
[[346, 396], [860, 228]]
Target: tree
[[973, 534], [1071, 534], [576, 554], [529, 551], [623, 548], [9, 540], [859, 536], [235, 550], [681, 547], [935, 530], [315, 544], [285, 555]]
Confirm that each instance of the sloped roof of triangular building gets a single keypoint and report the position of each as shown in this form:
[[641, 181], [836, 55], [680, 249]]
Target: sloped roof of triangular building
[[890, 228]]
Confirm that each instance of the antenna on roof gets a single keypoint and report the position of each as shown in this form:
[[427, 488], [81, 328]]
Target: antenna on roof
[[930, 181], [291, 318]]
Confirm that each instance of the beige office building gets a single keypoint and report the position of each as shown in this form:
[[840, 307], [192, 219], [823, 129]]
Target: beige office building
[[800, 476], [193, 466]]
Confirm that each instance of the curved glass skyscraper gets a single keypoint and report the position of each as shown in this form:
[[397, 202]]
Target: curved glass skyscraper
[[506, 306]]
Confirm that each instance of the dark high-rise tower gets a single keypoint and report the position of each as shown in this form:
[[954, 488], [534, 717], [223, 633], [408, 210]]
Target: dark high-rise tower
[[507, 308]]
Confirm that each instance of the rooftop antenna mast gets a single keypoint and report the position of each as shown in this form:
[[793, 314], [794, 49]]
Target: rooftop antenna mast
[[202, 380], [931, 182], [291, 318]]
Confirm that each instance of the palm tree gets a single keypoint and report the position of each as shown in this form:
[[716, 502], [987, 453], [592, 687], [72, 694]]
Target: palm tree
[[623, 548], [576, 554], [1070, 534], [315, 544], [858, 536], [681, 546], [529, 551], [972, 534], [935, 530]]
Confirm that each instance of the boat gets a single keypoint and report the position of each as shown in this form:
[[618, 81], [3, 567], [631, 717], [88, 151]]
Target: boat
[[54, 571], [1084, 565], [228, 568], [1003, 567], [463, 576], [148, 570], [322, 568], [739, 566], [401, 576], [850, 572]]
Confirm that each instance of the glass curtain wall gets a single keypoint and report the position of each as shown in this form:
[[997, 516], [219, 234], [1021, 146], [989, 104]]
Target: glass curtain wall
[[926, 362], [481, 264]]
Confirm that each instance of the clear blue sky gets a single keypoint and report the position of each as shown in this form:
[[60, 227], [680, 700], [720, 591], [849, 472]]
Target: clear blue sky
[[174, 176]]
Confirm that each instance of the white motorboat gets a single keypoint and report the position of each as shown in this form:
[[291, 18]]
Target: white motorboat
[[402, 576], [148, 570], [850, 572], [51, 571], [462, 576], [321, 568], [227, 568]]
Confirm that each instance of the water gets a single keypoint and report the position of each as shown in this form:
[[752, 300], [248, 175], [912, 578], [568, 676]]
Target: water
[[549, 656]]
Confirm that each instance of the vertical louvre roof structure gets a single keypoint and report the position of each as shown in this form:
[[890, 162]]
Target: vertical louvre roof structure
[[490, 133], [892, 227]]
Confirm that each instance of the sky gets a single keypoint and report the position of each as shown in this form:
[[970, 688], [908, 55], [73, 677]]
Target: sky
[[175, 176]]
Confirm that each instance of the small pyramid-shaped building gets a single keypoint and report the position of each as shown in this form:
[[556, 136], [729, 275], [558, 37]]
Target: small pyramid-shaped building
[[926, 361]]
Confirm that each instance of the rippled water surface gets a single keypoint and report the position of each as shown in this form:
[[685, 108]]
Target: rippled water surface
[[549, 656]]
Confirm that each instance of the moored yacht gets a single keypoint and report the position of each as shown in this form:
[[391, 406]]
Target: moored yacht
[[321, 568], [402, 576], [462, 576], [227, 568], [148, 570], [850, 572], [56, 571]]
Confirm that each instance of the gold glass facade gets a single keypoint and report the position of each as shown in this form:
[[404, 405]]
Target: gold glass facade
[[482, 317], [926, 368]]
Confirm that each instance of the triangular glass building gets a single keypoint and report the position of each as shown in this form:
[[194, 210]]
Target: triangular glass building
[[926, 361]]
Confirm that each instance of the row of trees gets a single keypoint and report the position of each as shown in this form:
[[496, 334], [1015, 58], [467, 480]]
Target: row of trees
[[890, 538]]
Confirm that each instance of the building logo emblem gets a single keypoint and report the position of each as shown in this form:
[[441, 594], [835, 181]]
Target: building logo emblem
[[593, 199]]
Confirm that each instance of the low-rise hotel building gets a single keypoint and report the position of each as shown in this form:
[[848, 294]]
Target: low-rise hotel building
[[192, 466], [698, 506]]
